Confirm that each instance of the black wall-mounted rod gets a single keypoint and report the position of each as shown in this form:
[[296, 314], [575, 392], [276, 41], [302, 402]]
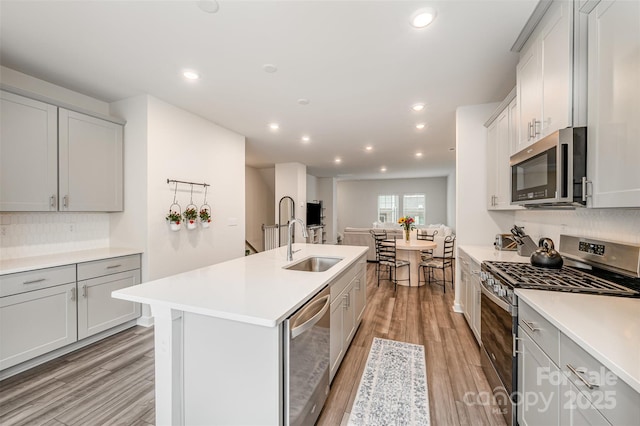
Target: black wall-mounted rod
[[188, 183]]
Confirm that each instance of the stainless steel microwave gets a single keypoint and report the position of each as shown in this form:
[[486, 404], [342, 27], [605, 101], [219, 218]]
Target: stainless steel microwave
[[551, 172]]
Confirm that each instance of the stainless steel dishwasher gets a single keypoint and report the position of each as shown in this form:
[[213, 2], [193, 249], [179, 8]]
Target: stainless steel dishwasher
[[306, 360]]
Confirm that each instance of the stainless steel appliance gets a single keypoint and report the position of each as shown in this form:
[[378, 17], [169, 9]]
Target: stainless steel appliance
[[552, 171], [599, 267], [306, 360], [505, 242]]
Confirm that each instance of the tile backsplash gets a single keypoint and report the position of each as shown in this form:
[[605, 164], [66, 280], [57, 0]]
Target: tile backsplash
[[35, 234], [622, 225]]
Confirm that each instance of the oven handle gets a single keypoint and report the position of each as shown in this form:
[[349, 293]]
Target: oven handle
[[501, 303], [298, 330]]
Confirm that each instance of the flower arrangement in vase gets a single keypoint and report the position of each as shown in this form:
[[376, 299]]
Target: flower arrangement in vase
[[407, 223], [205, 218], [190, 215], [174, 219]]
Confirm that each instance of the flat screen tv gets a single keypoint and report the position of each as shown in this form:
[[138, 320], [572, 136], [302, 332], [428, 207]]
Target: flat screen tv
[[314, 214]]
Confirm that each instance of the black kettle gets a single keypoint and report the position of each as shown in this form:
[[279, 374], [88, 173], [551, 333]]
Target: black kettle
[[546, 256]]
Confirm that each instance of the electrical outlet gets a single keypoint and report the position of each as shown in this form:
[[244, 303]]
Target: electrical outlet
[[71, 227], [3, 231]]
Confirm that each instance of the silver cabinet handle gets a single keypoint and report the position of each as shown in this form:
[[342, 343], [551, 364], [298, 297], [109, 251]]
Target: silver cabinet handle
[[358, 284], [585, 192], [536, 132], [52, 201], [73, 294], [530, 326], [514, 345], [84, 291], [39, 280], [65, 201], [582, 379], [529, 131], [114, 266]]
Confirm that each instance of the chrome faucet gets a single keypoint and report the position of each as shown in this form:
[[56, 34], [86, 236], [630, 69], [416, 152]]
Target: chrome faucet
[[304, 234]]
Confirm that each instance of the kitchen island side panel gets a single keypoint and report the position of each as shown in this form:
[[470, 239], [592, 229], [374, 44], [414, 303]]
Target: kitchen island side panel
[[232, 372]]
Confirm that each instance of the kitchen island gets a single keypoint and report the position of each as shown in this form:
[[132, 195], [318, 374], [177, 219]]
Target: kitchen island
[[219, 334]]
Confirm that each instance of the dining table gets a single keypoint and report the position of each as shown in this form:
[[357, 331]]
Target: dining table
[[410, 251]]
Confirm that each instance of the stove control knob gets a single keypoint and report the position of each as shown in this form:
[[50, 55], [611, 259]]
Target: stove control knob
[[483, 275], [503, 292]]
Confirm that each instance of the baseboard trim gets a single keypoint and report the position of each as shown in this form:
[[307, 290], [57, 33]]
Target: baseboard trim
[[457, 308], [145, 321]]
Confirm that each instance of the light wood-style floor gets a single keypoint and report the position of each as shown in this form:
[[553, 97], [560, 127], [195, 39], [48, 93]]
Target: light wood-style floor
[[112, 382], [424, 316]]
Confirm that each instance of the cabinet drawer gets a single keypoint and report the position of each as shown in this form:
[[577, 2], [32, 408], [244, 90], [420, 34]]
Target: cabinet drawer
[[38, 279], [113, 265], [545, 334], [615, 399], [340, 283]]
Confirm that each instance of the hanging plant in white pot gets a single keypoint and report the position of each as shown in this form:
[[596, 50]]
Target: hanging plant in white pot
[[205, 217], [174, 218], [190, 216]]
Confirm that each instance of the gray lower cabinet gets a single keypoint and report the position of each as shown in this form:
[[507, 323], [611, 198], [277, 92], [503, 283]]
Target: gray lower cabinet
[[97, 310], [348, 300], [47, 309], [560, 383]]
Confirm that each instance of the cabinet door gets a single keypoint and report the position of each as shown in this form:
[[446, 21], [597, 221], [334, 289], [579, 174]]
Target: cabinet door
[[614, 104], [91, 163], [538, 385], [28, 154], [576, 409], [97, 310], [556, 55], [336, 349], [349, 319], [360, 294], [475, 323], [492, 163], [36, 322], [529, 94]]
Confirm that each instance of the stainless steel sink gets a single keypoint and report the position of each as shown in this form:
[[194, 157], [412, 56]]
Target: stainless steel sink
[[314, 264]]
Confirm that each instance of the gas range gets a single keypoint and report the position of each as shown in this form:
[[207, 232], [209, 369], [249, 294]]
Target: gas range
[[613, 269]]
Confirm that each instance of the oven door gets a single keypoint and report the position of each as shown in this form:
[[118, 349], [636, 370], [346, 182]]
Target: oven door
[[498, 361]]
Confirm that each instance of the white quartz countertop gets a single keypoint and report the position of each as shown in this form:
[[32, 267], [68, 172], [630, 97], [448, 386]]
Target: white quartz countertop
[[12, 266], [252, 289], [482, 253], [607, 327]]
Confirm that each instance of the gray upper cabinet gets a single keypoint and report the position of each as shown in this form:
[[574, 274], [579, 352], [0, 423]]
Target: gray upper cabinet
[[614, 104], [28, 154], [544, 73], [90, 163], [54, 159]]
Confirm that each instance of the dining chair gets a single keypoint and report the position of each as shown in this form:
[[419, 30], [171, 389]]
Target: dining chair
[[378, 236], [424, 235], [389, 259], [443, 263]]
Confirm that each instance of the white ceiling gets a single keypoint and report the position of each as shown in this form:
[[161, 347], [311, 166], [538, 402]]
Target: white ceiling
[[360, 64]]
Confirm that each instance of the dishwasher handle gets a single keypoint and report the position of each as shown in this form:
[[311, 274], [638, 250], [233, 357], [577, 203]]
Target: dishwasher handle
[[298, 330]]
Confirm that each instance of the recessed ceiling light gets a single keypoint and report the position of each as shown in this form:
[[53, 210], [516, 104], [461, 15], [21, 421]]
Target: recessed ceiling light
[[383, 169], [191, 75], [417, 107], [420, 126], [303, 101], [418, 154], [209, 6], [270, 68], [274, 126], [423, 17], [368, 148], [338, 160], [306, 139]]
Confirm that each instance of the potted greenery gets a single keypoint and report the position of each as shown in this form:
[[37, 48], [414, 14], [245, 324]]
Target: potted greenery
[[190, 215], [205, 218], [174, 219]]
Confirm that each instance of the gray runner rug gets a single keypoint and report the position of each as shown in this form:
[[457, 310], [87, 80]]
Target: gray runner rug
[[393, 387]]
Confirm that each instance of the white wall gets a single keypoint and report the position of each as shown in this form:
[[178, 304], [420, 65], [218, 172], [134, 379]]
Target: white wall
[[358, 199], [259, 203], [474, 224], [327, 192], [291, 180], [451, 201], [312, 188], [186, 147]]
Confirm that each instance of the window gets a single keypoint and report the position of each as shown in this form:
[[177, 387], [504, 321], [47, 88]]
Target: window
[[414, 205], [388, 208]]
